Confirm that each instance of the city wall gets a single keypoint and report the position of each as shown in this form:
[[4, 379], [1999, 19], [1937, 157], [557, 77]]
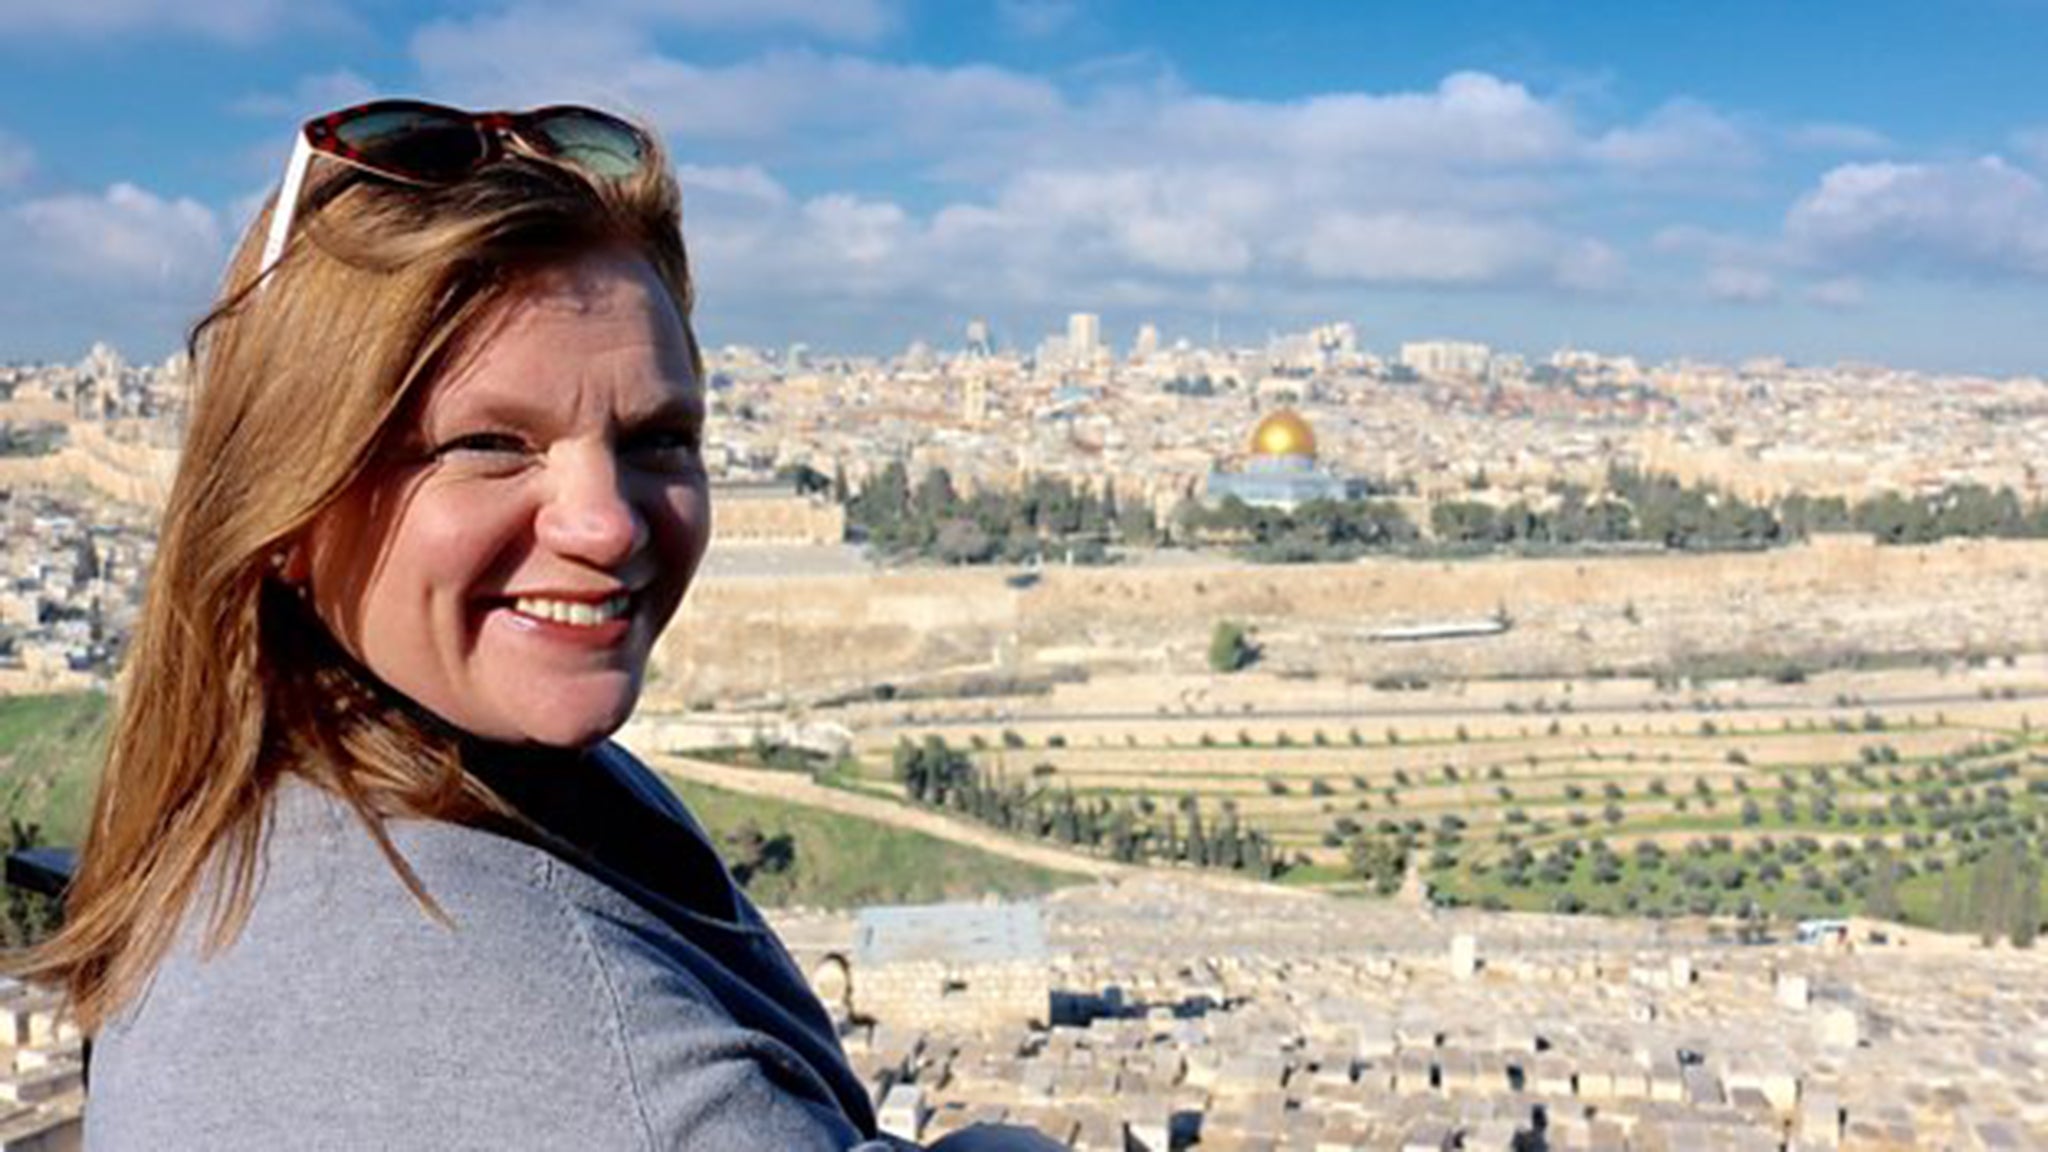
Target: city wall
[[741, 638], [127, 470]]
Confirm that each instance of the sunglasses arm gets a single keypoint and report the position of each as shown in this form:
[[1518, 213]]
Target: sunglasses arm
[[287, 204]]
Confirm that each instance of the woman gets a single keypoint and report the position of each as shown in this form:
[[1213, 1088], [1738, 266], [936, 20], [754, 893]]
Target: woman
[[362, 872]]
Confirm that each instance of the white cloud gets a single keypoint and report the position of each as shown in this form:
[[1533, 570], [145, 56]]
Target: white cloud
[[1827, 136], [852, 20], [1839, 292], [239, 21], [127, 234], [17, 160], [1147, 193], [1421, 248], [1981, 217], [1470, 120], [310, 96], [1589, 265], [2032, 146], [1741, 285], [1718, 249], [127, 265], [1036, 19], [746, 182], [1679, 135], [1157, 220], [988, 188], [849, 105], [532, 55], [508, 39]]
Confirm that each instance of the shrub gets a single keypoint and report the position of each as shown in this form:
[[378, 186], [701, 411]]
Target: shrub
[[1230, 647]]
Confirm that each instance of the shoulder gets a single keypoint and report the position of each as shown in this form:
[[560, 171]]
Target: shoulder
[[342, 1007], [546, 1012]]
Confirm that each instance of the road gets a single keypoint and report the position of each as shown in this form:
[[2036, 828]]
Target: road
[[794, 788], [1429, 710], [791, 788]]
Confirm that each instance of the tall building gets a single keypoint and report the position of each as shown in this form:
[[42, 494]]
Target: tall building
[[1084, 336], [1147, 344], [974, 398], [978, 343], [1454, 359]]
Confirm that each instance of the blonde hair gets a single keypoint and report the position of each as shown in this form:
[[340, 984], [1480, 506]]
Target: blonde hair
[[303, 374]]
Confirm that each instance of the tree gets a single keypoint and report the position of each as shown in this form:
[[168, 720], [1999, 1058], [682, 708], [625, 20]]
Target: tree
[[1881, 890], [1462, 521], [751, 853], [29, 917], [1230, 648], [1380, 860], [962, 541], [805, 479]]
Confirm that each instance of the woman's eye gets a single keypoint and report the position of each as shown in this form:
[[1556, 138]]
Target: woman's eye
[[665, 447], [483, 444]]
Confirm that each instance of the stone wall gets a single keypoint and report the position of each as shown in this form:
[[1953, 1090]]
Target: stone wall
[[746, 515], [813, 635], [130, 471], [921, 994]]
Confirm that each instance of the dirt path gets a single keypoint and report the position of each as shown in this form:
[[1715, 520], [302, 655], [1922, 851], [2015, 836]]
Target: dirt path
[[796, 789], [792, 788]]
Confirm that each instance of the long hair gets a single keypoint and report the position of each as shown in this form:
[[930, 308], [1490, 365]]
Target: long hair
[[304, 373]]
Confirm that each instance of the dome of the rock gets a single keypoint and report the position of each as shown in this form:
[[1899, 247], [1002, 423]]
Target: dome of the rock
[[1283, 434]]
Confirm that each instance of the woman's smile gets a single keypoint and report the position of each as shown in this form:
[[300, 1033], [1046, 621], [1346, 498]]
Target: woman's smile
[[601, 623]]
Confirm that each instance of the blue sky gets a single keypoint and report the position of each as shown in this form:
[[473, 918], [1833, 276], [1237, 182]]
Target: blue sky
[[1818, 180]]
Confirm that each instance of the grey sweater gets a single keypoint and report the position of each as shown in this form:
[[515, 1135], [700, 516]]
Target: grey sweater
[[560, 1012]]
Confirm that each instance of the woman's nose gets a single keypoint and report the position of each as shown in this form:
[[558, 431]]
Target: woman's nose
[[589, 514]]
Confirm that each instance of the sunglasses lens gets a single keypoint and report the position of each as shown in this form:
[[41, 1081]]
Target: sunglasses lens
[[599, 144], [416, 144]]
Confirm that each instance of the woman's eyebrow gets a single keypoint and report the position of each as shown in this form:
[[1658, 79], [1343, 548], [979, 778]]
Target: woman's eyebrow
[[672, 410]]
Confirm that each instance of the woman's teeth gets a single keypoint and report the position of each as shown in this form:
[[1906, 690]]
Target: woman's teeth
[[578, 613]]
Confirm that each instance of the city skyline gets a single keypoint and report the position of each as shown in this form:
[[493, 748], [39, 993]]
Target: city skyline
[[859, 176]]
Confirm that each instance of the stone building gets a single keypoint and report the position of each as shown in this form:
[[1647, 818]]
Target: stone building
[[775, 513], [952, 965]]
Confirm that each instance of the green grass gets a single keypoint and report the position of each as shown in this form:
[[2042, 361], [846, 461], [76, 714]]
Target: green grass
[[50, 749], [845, 861], [1318, 876], [1921, 898]]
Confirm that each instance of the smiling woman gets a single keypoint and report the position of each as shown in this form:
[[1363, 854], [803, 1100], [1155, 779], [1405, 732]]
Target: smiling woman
[[442, 490]]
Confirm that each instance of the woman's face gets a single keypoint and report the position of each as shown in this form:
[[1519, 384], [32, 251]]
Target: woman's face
[[511, 564]]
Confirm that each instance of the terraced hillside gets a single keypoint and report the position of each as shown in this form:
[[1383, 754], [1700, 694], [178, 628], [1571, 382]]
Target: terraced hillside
[[1758, 798]]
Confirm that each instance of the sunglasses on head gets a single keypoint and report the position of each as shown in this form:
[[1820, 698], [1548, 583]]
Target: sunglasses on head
[[432, 145]]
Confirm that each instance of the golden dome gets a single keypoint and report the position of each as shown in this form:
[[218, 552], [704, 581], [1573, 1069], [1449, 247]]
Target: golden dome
[[1283, 434]]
